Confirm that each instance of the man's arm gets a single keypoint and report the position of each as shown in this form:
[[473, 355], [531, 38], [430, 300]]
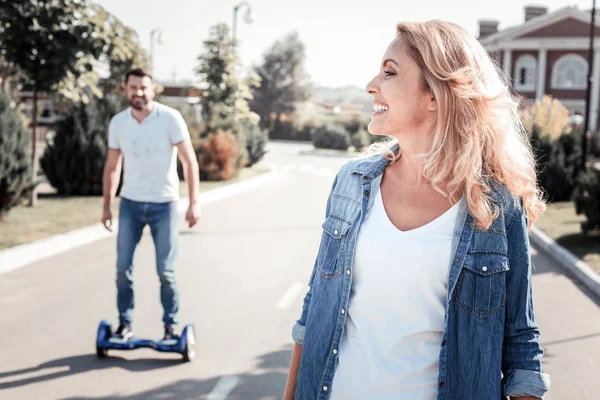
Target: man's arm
[[110, 183], [191, 174]]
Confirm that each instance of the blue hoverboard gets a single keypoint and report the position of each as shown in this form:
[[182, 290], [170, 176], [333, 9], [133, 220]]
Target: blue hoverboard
[[184, 345]]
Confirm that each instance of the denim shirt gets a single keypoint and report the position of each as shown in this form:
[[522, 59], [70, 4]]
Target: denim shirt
[[490, 347]]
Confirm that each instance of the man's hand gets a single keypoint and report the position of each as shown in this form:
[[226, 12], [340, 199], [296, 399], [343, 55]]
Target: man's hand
[[193, 214], [107, 219]]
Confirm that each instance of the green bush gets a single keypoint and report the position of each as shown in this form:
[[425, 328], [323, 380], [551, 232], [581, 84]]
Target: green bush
[[15, 162], [587, 199], [74, 160], [557, 163], [256, 143], [331, 137], [287, 130]]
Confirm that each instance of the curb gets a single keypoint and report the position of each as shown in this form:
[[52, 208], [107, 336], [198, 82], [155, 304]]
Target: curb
[[22, 255], [582, 272]]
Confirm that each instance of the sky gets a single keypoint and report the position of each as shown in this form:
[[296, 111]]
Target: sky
[[344, 40]]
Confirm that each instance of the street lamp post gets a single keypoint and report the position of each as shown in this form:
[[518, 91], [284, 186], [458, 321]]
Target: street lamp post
[[585, 140], [159, 39], [249, 17]]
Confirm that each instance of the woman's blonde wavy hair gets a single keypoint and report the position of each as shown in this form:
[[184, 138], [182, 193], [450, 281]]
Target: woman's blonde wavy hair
[[479, 138]]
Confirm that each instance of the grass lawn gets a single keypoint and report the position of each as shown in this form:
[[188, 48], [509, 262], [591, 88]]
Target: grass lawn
[[56, 214], [562, 224]]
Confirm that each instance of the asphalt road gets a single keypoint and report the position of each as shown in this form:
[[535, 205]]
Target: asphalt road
[[242, 274]]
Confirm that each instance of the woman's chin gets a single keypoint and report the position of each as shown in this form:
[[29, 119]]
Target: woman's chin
[[376, 128]]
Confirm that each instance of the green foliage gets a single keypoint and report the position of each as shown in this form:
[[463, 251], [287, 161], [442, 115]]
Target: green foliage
[[587, 199], [74, 160], [49, 40], [557, 163], [331, 137], [288, 130], [15, 171], [225, 95], [283, 80], [256, 143], [357, 129], [124, 51]]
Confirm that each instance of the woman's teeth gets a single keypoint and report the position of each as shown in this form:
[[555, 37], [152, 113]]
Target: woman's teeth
[[379, 107]]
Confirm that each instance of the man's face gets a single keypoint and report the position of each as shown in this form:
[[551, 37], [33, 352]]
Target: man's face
[[139, 91]]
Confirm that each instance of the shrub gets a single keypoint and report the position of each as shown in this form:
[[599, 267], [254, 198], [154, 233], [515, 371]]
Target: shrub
[[74, 160], [557, 163], [288, 130], [256, 143], [587, 199], [331, 137], [218, 156], [15, 164]]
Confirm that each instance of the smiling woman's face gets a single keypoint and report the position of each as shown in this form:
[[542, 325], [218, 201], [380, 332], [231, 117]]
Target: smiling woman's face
[[400, 99]]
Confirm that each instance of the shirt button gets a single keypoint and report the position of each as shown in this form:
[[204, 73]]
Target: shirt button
[[442, 384], [365, 178], [334, 351], [484, 268], [366, 192], [347, 272], [325, 388], [343, 311], [444, 343], [336, 232]]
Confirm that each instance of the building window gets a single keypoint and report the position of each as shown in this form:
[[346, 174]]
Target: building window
[[525, 73], [570, 72]]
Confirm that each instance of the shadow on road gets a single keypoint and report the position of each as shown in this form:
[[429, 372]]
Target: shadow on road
[[266, 382], [80, 364]]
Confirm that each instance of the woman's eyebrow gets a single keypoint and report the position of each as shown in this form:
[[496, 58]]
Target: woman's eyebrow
[[389, 60]]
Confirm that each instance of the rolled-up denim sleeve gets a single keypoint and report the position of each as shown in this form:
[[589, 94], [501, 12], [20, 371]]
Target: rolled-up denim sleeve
[[522, 370], [299, 328]]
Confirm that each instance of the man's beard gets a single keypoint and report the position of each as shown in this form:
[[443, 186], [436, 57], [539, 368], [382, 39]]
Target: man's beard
[[137, 105]]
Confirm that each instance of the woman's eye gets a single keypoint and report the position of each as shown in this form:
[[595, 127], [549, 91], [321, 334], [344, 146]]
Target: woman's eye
[[388, 73]]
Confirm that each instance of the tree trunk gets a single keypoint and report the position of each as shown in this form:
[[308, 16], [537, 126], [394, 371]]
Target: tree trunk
[[33, 200]]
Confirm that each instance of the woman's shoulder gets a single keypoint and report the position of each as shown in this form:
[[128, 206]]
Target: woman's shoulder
[[510, 203]]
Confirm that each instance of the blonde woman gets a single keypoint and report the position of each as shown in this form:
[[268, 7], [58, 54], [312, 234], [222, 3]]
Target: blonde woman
[[422, 285]]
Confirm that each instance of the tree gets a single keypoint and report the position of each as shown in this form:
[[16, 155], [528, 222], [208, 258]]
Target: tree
[[124, 51], [74, 159], [225, 96], [15, 171], [283, 80], [49, 41]]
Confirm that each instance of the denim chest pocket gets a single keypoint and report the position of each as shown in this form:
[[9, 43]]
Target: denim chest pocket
[[331, 252], [481, 288]]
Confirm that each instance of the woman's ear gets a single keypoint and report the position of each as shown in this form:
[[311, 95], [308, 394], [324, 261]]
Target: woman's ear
[[432, 104]]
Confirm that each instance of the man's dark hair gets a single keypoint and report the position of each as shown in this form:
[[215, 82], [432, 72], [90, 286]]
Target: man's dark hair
[[137, 72]]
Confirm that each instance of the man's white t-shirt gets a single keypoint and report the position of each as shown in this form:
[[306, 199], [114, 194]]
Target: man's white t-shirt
[[391, 342], [149, 153]]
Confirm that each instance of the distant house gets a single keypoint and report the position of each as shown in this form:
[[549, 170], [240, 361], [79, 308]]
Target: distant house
[[182, 97], [548, 54]]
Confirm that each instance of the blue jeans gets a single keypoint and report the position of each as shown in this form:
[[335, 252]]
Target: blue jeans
[[163, 219]]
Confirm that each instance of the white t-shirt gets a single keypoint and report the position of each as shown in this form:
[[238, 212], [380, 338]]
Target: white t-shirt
[[391, 342], [149, 153]]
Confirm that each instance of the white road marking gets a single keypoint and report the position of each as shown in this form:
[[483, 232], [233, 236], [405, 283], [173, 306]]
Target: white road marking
[[289, 296], [223, 387]]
